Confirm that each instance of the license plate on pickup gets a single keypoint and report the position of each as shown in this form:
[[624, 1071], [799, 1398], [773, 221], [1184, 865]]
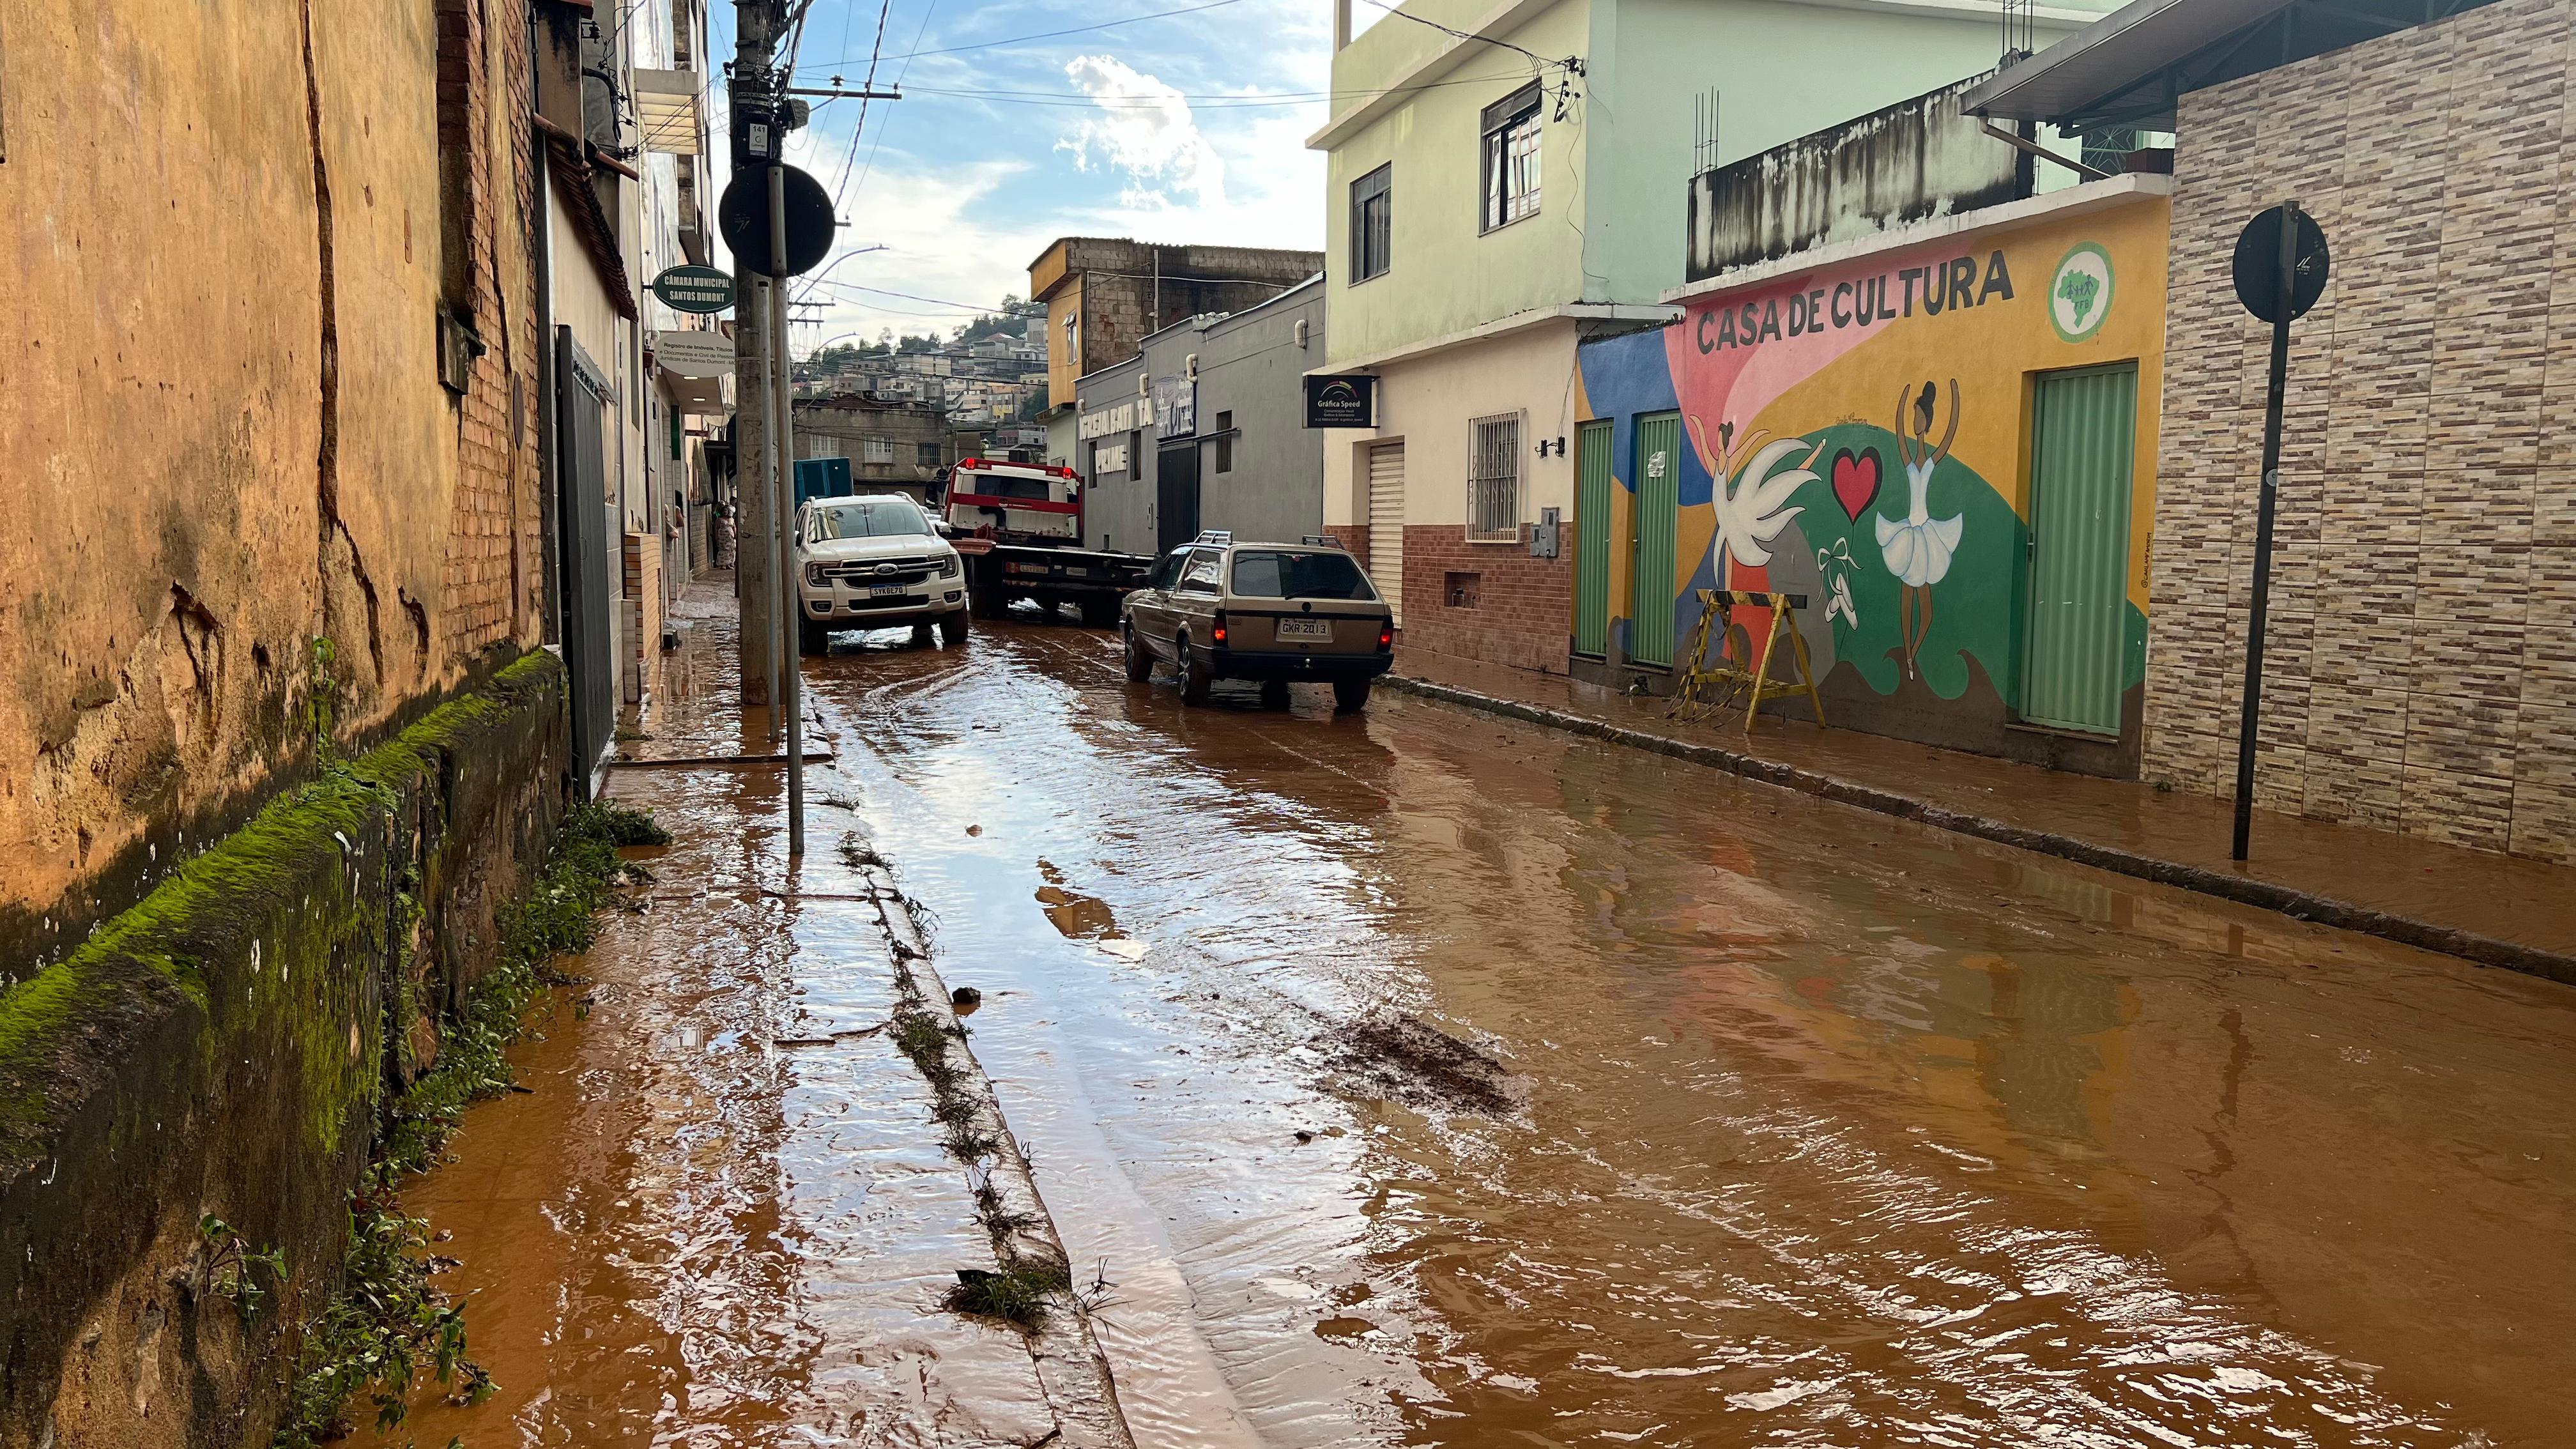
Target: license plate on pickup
[[1311, 630], [884, 591]]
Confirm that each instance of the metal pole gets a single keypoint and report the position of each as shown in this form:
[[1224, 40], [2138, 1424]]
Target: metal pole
[[2246, 722], [781, 391], [775, 647]]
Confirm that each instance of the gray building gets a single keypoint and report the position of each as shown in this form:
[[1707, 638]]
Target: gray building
[[894, 445], [1205, 428]]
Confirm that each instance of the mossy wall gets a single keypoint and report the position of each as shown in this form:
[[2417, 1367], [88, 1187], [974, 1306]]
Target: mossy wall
[[223, 1048]]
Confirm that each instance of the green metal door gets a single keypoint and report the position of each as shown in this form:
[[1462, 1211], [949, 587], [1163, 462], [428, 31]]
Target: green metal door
[[1592, 539], [2083, 438], [1658, 477]]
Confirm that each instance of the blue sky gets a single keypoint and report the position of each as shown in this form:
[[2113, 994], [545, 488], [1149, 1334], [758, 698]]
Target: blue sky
[[1158, 129]]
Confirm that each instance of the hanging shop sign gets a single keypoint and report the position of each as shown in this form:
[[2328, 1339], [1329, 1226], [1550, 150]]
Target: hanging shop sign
[[1347, 400], [694, 289], [692, 353]]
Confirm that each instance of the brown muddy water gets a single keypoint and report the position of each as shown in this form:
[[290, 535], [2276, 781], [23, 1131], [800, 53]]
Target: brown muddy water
[[1420, 1078]]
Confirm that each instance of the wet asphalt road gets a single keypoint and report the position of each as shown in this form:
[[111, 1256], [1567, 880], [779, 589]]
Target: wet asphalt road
[[1802, 1125]]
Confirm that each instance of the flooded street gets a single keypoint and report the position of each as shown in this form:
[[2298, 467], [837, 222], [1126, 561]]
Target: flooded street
[[1424, 1078], [1419, 1078]]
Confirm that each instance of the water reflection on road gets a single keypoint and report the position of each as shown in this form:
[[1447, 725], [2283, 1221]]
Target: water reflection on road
[[1818, 1127]]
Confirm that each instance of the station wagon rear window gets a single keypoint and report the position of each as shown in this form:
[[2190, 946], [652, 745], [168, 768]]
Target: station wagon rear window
[[1281, 574]]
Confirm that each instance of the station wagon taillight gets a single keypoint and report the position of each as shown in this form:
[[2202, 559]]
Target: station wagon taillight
[[1386, 635], [1216, 635]]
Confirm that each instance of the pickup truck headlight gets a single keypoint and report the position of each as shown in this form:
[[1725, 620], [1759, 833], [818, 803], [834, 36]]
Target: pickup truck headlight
[[814, 575], [948, 567]]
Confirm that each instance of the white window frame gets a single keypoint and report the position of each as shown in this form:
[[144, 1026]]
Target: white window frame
[[1508, 145], [876, 450], [1494, 478]]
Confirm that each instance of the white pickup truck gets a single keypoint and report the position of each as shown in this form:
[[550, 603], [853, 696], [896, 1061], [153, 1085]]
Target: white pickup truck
[[874, 562]]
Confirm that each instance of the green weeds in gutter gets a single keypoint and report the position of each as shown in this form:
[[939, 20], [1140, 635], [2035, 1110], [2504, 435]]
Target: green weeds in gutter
[[388, 1325]]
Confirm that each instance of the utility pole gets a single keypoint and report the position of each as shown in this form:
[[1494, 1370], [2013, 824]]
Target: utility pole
[[758, 585], [782, 400]]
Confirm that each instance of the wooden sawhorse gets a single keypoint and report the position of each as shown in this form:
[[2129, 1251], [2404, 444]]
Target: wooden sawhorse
[[1708, 688]]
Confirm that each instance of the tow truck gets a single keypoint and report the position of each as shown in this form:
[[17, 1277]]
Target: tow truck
[[1019, 526]]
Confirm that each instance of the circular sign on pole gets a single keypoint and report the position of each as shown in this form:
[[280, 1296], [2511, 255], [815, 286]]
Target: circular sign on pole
[[694, 289], [2258, 264], [742, 216]]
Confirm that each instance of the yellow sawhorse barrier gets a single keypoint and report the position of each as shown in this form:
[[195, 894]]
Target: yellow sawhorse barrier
[[1708, 688]]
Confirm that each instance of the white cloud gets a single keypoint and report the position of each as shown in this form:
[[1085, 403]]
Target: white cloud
[[1145, 130]]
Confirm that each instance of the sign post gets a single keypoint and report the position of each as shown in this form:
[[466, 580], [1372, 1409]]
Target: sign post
[[2281, 266], [779, 221]]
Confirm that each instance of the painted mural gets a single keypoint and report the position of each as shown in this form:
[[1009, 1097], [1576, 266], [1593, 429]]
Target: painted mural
[[1861, 434]]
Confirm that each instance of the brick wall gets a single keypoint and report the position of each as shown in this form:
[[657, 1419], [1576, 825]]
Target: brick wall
[[491, 574], [1353, 537], [2420, 674], [1515, 610], [640, 671]]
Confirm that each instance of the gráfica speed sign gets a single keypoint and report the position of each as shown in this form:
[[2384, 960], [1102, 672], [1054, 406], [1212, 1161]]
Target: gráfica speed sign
[[694, 289]]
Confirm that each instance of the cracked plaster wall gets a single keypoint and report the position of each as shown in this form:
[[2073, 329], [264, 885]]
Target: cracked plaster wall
[[224, 429]]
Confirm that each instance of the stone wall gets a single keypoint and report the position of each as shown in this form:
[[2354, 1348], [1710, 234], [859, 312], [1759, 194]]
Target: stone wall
[[222, 1047], [2420, 674], [230, 226]]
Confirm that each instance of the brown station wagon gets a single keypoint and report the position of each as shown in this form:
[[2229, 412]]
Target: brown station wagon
[[1273, 612]]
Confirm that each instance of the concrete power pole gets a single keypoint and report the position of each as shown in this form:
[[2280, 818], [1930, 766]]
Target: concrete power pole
[[752, 92]]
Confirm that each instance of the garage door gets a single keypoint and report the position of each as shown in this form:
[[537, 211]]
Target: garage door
[[1386, 523]]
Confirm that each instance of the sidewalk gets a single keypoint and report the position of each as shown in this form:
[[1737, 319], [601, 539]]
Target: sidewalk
[[753, 1158], [2493, 909]]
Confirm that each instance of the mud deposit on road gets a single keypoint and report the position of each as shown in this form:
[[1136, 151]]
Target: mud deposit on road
[[1457, 1082], [1409, 1079], [1419, 1063]]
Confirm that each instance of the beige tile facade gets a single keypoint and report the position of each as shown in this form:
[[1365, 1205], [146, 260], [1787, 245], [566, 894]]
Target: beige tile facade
[[2420, 666]]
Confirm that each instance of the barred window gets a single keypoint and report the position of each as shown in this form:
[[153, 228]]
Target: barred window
[[1494, 479]]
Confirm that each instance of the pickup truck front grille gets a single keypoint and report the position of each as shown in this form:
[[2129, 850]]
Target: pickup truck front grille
[[864, 574]]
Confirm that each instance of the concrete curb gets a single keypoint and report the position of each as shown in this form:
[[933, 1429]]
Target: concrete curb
[[2270, 896], [1071, 1368]]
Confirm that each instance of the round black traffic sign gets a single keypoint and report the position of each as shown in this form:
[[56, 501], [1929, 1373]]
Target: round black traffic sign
[[742, 216], [694, 289], [2258, 264]]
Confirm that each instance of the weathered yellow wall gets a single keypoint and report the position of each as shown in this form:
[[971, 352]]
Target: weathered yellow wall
[[223, 429]]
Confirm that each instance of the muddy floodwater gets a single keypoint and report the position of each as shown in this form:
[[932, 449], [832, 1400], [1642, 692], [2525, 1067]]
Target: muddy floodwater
[[1419, 1078]]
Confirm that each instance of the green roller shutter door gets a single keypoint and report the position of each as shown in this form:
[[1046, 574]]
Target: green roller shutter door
[[1658, 477], [2084, 431], [1592, 527]]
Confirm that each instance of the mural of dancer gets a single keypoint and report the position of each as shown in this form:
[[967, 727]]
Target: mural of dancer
[[1918, 549], [1752, 512]]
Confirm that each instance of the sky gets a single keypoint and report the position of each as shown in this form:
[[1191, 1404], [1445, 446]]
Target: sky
[[1170, 128]]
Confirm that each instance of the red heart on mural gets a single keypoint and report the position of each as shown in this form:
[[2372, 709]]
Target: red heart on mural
[[1855, 481]]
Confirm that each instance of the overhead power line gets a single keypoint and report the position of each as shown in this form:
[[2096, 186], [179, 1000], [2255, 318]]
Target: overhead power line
[[1059, 34], [1202, 101]]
